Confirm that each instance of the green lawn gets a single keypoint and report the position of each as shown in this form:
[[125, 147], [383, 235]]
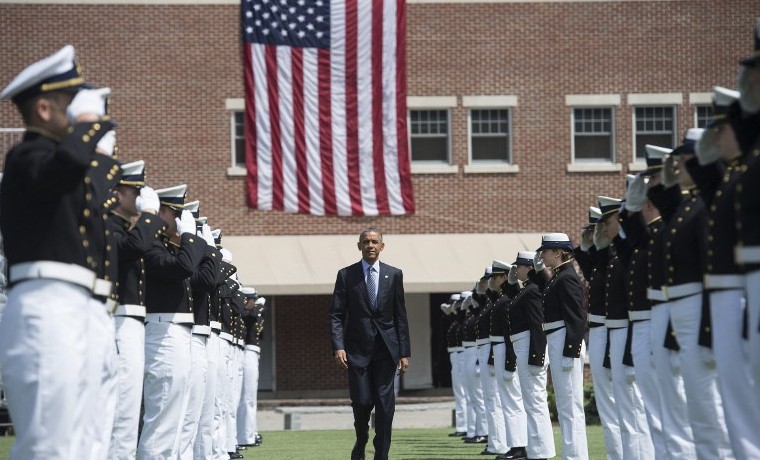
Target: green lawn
[[430, 444]]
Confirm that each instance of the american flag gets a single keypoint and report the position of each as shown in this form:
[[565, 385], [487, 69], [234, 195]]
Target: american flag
[[325, 106]]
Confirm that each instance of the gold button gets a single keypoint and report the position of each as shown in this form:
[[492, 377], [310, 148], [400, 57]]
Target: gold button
[[82, 229], [86, 213], [109, 176], [147, 221], [94, 163], [86, 138], [96, 126]]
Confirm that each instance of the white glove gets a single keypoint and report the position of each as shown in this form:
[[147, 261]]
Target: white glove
[[512, 275], [567, 363], [538, 263], [707, 148], [88, 101], [636, 195], [508, 376], [147, 201], [587, 238], [675, 361], [708, 357], [107, 143], [669, 174], [491, 370], [630, 375], [186, 223], [261, 301], [600, 241], [535, 371], [226, 255], [207, 236]]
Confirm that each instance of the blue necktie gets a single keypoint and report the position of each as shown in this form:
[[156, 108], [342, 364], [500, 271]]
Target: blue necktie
[[372, 287]]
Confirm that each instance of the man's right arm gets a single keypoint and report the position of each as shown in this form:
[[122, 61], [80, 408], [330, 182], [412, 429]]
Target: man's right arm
[[337, 317]]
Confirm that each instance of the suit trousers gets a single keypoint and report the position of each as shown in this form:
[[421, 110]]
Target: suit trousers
[[460, 398], [737, 389], [632, 419], [167, 370], [702, 399], [497, 435], [247, 428], [44, 359], [508, 387], [753, 324], [646, 379], [373, 387], [130, 343], [223, 386], [476, 407], [679, 439], [568, 392], [204, 440], [601, 378], [540, 437], [194, 396]]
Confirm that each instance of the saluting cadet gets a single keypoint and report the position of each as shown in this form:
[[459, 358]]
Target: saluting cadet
[[564, 325], [716, 169], [455, 349], [592, 256], [238, 333], [525, 318], [169, 264], [134, 225], [56, 359], [634, 429], [505, 364], [685, 240], [225, 293], [477, 428], [253, 316]]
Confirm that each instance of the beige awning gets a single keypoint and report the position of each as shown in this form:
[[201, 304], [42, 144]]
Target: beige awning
[[307, 264]]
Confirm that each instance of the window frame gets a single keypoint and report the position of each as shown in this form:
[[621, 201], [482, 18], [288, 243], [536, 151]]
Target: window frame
[[613, 152], [234, 138], [470, 136], [634, 131], [709, 107], [447, 110]]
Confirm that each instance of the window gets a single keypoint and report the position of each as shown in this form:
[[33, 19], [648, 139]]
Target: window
[[238, 144], [653, 125], [592, 134], [429, 135], [490, 135], [702, 114]]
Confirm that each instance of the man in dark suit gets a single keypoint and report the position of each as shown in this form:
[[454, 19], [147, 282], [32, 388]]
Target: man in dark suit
[[370, 337]]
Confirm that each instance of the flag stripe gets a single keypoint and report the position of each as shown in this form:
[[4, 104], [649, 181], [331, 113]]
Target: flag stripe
[[390, 147], [302, 166], [325, 132], [378, 52], [402, 143], [337, 104], [275, 127], [250, 120], [313, 168], [352, 124], [365, 103], [263, 130], [287, 128]]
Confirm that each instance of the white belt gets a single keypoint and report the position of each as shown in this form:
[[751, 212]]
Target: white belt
[[553, 325], [179, 318], [226, 336], [496, 339], [215, 325], [681, 290], [656, 294], [240, 342], [469, 344], [639, 315], [451, 349], [71, 273], [747, 254], [724, 281], [255, 348], [519, 335], [459, 349], [615, 323], [130, 310], [596, 318], [201, 329], [482, 341]]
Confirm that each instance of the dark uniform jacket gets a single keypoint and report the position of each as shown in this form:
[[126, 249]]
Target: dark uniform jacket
[[747, 189], [168, 269], [593, 264], [254, 325], [203, 283], [526, 313], [638, 238], [563, 301], [471, 325], [614, 286]]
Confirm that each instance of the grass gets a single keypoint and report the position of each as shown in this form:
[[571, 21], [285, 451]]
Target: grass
[[409, 444]]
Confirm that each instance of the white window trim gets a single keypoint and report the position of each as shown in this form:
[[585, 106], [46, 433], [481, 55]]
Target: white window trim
[[473, 166], [595, 164], [489, 102], [233, 105], [431, 167], [422, 167], [430, 102], [700, 98], [694, 111], [483, 167], [633, 127], [592, 100], [637, 166], [649, 99]]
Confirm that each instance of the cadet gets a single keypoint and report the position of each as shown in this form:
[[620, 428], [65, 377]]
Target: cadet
[[56, 256], [455, 349], [253, 316], [476, 410]]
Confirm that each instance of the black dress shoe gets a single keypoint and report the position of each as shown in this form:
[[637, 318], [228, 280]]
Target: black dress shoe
[[241, 447], [481, 439], [234, 455], [457, 434], [515, 453], [472, 439], [487, 452]]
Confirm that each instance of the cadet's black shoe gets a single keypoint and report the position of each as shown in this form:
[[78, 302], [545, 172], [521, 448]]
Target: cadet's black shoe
[[515, 453], [458, 434], [234, 455], [487, 452], [241, 447], [481, 439]]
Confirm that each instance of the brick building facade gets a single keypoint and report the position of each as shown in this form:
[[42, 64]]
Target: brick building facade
[[568, 88]]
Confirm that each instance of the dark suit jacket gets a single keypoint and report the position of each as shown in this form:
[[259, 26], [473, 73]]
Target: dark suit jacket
[[354, 325]]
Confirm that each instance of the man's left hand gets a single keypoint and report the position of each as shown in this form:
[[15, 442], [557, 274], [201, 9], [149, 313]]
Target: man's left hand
[[403, 365]]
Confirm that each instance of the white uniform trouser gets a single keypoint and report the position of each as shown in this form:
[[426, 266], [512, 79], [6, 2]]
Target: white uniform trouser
[[641, 350], [510, 396], [737, 390], [204, 440], [476, 407], [753, 317], [568, 392], [679, 438], [497, 435], [702, 399], [540, 437], [460, 399], [167, 370], [223, 386], [194, 396], [44, 355], [601, 378], [236, 382], [634, 429], [246, 417], [130, 343]]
